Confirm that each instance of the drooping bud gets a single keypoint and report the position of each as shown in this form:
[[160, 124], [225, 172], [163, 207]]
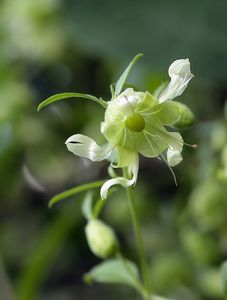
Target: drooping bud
[[187, 117], [101, 239]]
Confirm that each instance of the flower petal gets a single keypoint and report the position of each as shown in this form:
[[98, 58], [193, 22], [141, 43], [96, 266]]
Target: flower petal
[[174, 156], [180, 74], [125, 157], [113, 132], [133, 169], [116, 113], [152, 140], [84, 146], [169, 113]]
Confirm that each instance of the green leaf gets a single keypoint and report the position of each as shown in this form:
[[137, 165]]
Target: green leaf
[[74, 191], [118, 271], [224, 279], [87, 209], [122, 79], [62, 96]]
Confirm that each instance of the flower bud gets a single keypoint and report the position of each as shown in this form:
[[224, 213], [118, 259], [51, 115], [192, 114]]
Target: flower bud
[[187, 117], [101, 239]]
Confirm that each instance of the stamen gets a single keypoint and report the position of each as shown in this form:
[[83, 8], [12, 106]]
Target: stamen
[[149, 142], [194, 146], [153, 135], [171, 170], [166, 134], [163, 157]]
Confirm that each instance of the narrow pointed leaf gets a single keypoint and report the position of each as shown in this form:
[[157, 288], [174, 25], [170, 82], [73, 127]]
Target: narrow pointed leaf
[[112, 91], [122, 79], [114, 271], [62, 96], [74, 191]]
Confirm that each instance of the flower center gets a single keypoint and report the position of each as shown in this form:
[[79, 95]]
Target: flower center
[[135, 122]]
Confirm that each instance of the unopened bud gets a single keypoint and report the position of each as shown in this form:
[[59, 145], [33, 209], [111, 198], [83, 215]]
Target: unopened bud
[[101, 239], [187, 117]]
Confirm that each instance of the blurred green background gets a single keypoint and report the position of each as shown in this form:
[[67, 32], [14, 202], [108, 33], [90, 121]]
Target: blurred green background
[[51, 46]]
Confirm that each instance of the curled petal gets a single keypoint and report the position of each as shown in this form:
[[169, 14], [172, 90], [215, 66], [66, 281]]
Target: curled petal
[[180, 74], [133, 169], [84, 146], [174, 156]]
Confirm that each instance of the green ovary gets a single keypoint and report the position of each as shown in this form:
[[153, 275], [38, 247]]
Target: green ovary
[[135, 122]]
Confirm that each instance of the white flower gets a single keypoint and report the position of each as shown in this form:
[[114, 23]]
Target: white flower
[[180, 74], [135, 123]]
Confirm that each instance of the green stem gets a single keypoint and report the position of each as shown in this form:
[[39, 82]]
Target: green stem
[[138, 236], [98, 207], [100, 204]]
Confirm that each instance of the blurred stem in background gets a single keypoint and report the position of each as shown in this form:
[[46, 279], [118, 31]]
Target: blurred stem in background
[[5, 287], [42, 258]]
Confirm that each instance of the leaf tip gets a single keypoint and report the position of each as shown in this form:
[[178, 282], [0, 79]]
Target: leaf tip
[[50, 203], [40, 106], [139, 55]]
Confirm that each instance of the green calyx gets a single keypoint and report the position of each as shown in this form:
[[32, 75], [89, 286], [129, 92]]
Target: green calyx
[[186, 116], [135, 122]]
